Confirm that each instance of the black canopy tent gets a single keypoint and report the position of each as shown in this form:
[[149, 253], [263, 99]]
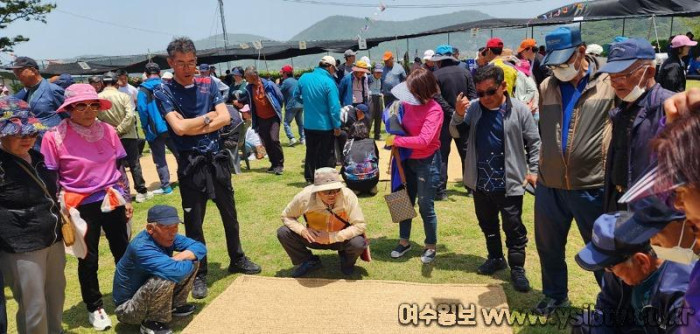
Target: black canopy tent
[[573, 13]]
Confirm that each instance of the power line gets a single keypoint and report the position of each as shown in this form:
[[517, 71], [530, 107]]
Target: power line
[[113, 24], [439, 5]]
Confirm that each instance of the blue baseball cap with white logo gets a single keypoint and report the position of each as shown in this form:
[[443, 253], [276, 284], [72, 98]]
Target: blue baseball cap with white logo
[[623, 54], [606, 248], [561, 44]]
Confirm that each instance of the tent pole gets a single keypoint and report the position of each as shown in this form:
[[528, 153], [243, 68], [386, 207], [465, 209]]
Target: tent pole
[[292, 61], [671, 26], [407, 48], [491, 33], [532, 32], [623, 27], [448, 38], [656, 32]]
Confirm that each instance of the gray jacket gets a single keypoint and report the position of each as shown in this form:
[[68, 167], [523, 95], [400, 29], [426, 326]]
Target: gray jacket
[[520, 133]]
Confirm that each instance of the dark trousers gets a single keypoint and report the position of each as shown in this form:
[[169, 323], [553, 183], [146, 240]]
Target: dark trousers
[[131, 146], [298, 248], [3, 311], [376, 109], [445, 148], [158, 155], [114, 225], [269, 131], [554, 211], [320, 151], [194, 205], [487, 207]]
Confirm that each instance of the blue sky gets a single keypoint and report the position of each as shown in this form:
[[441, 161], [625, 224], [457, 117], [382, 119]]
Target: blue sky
[[69, 34]]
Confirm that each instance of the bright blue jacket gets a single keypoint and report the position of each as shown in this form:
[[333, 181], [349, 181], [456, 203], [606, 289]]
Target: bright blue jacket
[[45, 100], [152, 121], [319, 93], [288, 87], [274, 95], [345, 90], [144, 259]]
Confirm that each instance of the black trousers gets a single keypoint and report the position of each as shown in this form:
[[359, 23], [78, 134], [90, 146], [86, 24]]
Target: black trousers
[[376, 109], [131, 146], [445, 148], [194, 205], [269, 131], [487, 207], [320, 151], [298, 248], [114, 225]]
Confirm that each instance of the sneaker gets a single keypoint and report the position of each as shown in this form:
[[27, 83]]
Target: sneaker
[[293, 142], [158, 191], [302, 141], [400, 250], [491, 266], [428, 256], [519, 280], [441, 197], [99, 319], [244, 265], [373, 191], [199, 288], [154, 327], [307, 266], [271, 170], [252, 157], [140, 198], [547, 305], [163, 191], [279, 170], [183, 311]]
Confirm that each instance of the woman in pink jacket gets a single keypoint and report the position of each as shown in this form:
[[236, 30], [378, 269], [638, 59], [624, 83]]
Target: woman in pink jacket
[[422, 122]]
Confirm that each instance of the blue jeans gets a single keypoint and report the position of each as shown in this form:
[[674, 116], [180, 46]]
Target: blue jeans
[[554, 210], [290, 115], [422, 179], [158, 155]]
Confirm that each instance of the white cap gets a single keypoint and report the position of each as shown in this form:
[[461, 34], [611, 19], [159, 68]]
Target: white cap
[[594, 49], [167, 75], [428, 54], [366, 60], [328, 60]]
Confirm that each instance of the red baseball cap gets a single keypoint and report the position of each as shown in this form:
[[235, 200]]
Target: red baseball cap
[[287, 69], [494, 43]]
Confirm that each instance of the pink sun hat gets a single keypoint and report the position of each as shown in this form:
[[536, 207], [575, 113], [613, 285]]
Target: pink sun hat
[[82, 92], [681, 41]]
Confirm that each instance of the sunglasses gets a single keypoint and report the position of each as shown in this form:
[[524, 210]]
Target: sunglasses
[[488, 92], [330, 192], [94, 106]]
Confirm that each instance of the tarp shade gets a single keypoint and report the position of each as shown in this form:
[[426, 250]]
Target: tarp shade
[[572, 13]]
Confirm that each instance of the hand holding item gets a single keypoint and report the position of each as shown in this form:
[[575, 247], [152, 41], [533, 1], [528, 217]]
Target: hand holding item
[[461, 104]]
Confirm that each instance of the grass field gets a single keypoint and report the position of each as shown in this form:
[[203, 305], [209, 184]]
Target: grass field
[[693, 83], [260, 197]]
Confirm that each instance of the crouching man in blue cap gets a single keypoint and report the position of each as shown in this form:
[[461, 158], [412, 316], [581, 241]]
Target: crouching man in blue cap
[[151, 284], [641, 292]]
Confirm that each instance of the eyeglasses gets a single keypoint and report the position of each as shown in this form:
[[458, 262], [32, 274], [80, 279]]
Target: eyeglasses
[[624, 76], [488, 92], [94, 106], [184, 65], [31, 136], [330, 192]]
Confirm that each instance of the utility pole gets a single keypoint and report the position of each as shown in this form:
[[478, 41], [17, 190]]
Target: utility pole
[[223, 26]]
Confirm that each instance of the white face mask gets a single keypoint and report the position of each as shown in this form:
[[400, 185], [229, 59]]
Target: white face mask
[[637, 91], [566, 74], [677, 253]]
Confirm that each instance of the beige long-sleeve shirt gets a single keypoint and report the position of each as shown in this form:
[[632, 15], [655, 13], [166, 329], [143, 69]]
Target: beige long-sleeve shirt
[[121, 116], [307, 204]]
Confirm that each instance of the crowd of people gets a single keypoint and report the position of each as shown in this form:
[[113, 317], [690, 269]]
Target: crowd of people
[[610, 143]]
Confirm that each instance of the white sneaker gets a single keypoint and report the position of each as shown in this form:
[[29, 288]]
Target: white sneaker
[[157, 192], [252, 157], [293, 142], [99, 319], [140, 198], [428, 256]]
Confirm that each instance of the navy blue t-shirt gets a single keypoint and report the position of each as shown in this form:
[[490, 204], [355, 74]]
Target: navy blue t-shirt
[[490, 154], [190, 101], [569, 97]]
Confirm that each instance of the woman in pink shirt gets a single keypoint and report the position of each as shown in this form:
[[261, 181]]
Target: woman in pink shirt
[[87, 155], [422, 122]]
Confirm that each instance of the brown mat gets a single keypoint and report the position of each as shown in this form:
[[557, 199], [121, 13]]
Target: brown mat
[[255, 304]]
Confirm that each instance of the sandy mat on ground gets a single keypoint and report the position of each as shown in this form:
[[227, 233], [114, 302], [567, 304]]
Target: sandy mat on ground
[[253, 304]]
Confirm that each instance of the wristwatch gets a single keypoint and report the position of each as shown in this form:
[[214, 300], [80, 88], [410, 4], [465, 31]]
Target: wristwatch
[[207, 120]]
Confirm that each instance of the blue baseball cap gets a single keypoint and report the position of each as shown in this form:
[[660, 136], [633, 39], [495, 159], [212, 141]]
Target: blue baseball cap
[[605, 248], [204, 67], [237, 72], [561, 44], [443, 52], [163, 214], [623, 54]]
